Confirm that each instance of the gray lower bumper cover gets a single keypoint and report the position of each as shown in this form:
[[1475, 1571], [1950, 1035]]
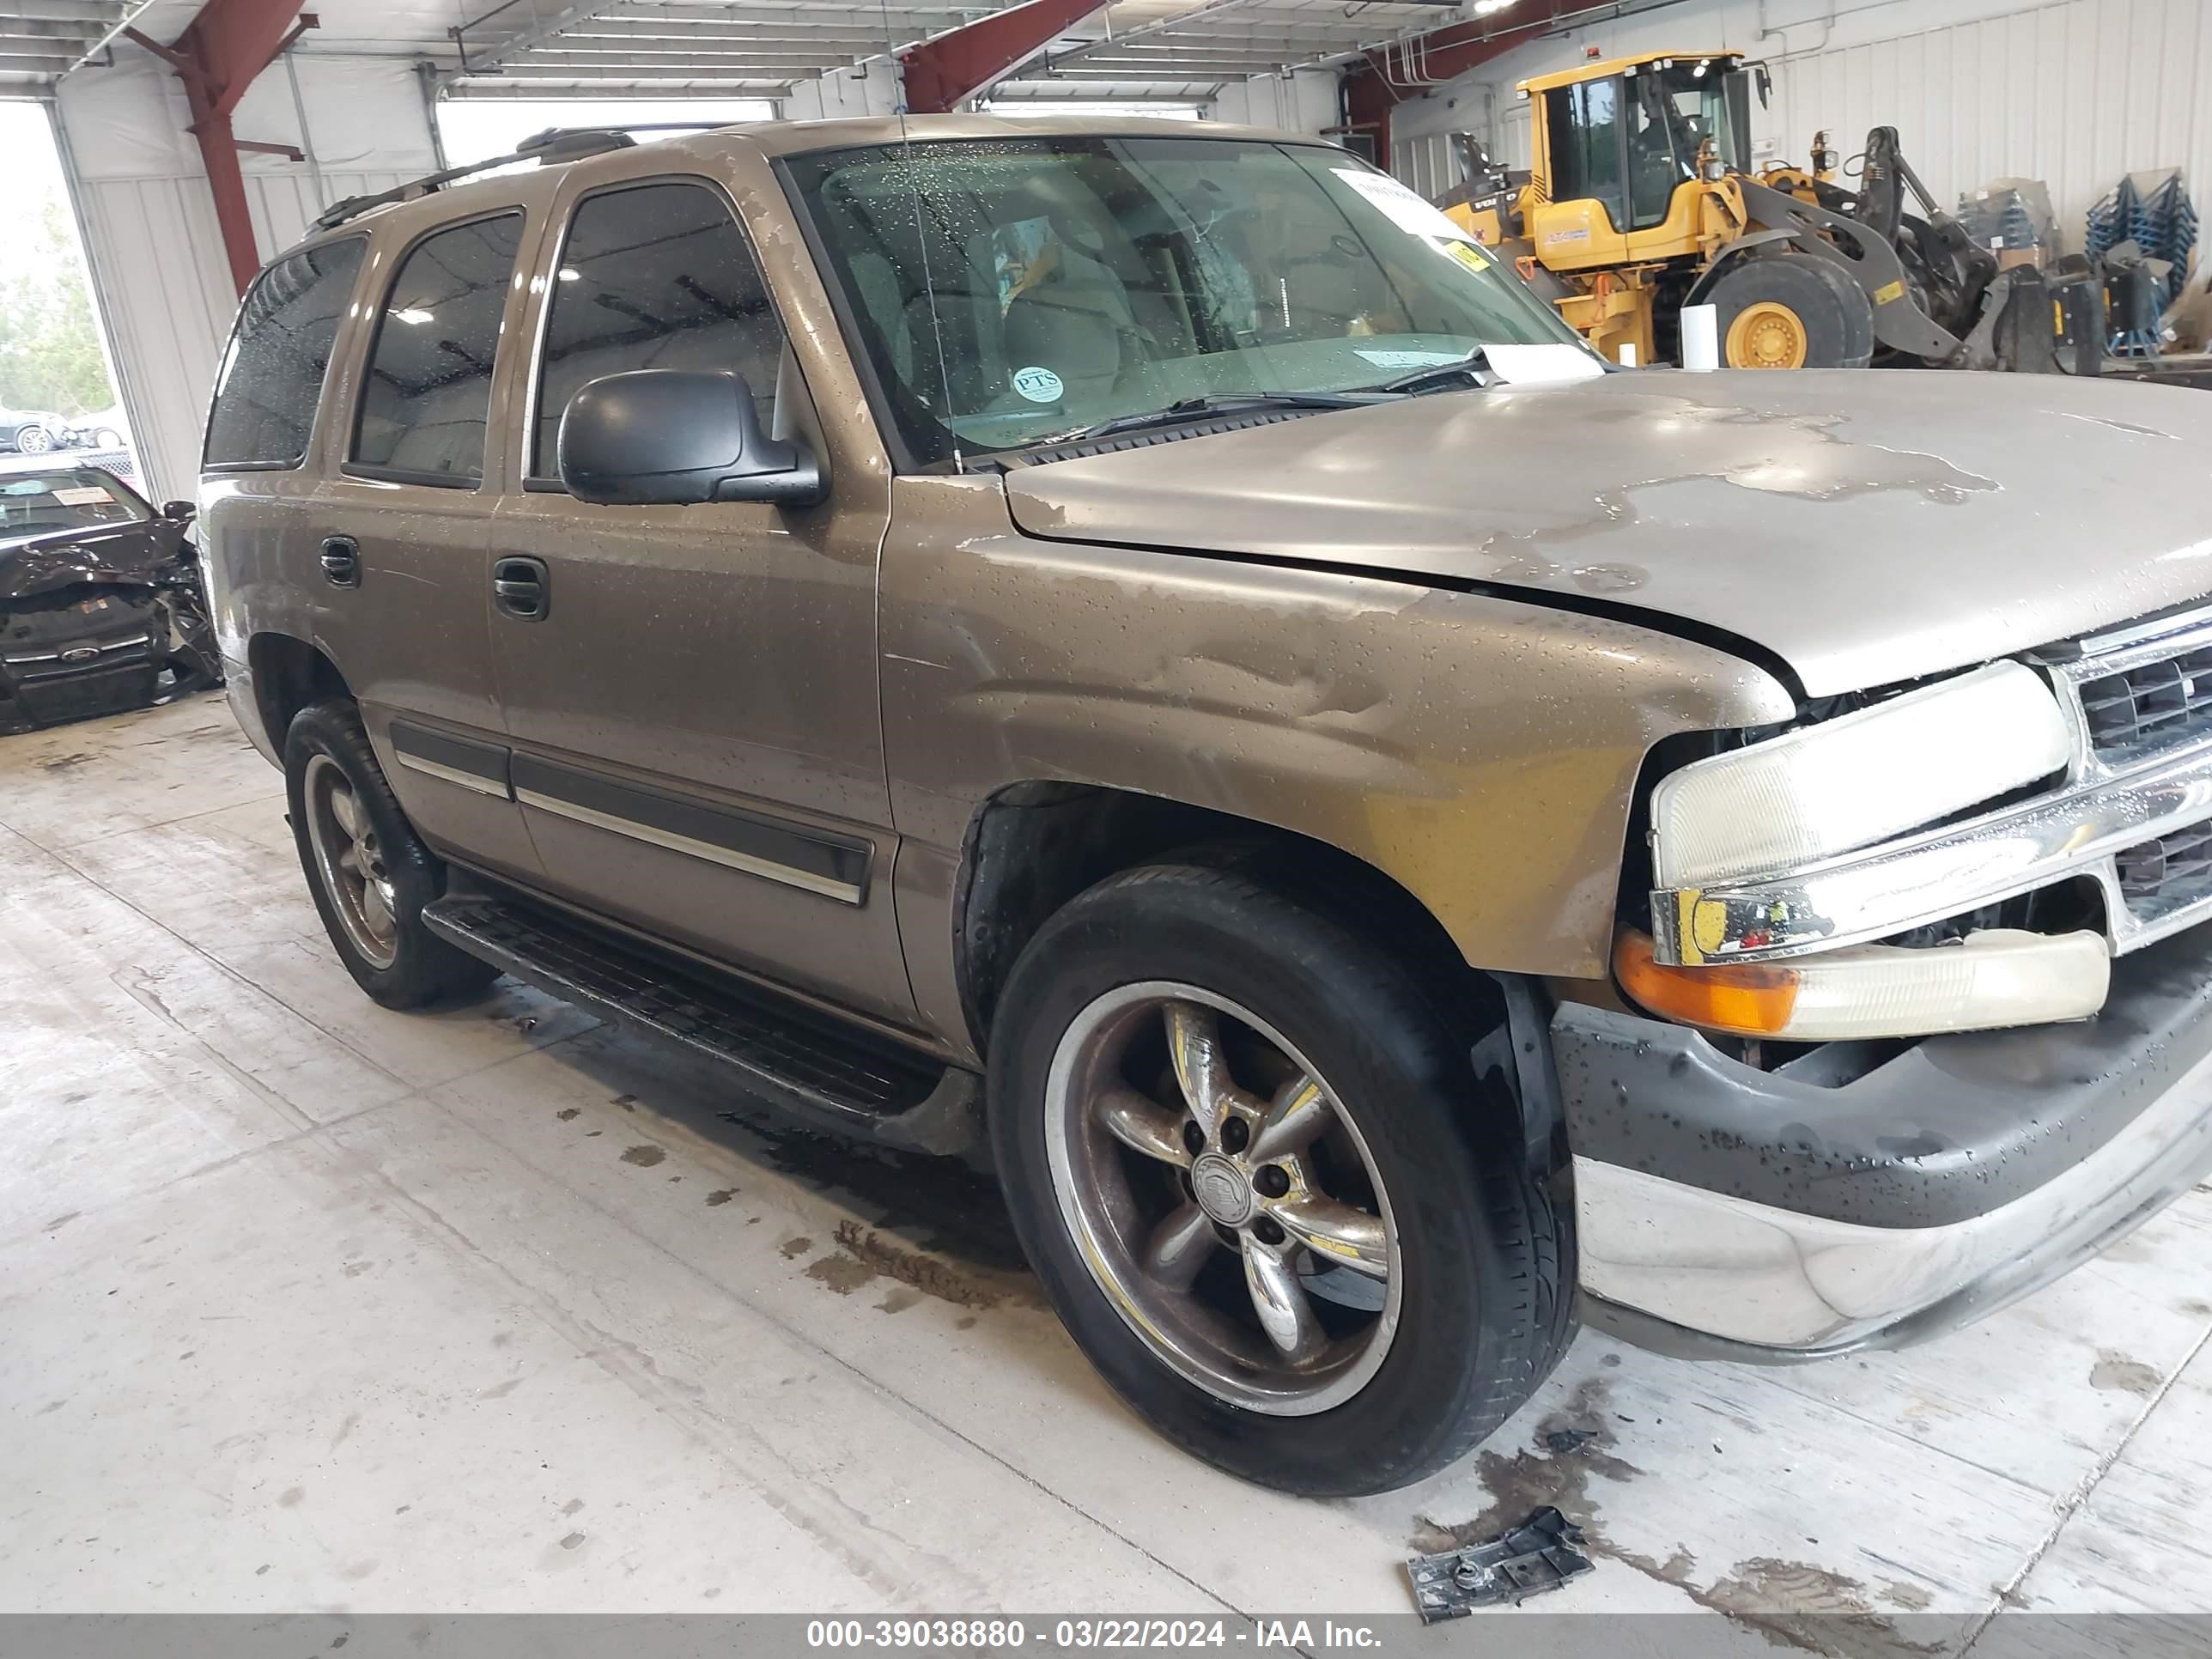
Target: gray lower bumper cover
[[1788, 1219]]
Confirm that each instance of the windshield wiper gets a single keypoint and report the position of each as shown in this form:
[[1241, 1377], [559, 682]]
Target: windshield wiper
[[1189, 409], [1466, 370]]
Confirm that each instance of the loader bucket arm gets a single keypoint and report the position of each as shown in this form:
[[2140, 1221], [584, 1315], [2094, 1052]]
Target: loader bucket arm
[[1882, 178], [1899, 321]]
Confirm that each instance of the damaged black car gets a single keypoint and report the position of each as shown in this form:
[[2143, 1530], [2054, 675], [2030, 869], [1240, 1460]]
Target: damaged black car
[[102, 605]]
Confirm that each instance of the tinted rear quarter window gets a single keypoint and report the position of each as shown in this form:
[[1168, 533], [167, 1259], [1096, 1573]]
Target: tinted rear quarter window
[[654, 276], [427, 393], [272, 373]]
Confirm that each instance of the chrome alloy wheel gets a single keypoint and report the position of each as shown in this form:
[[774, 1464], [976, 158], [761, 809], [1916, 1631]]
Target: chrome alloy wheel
[[1246, 1237], [350, 863]]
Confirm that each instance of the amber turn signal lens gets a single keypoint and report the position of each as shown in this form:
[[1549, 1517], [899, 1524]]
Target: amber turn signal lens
[[1749, 999]]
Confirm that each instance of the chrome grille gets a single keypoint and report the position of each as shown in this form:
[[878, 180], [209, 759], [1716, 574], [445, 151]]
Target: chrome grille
[[2162, 875], [2152, 706]]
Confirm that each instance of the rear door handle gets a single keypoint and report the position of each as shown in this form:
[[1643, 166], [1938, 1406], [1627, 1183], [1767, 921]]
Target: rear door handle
[[341, 561], [521, 588]]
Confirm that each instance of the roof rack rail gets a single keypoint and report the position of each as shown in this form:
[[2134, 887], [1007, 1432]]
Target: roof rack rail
[[548, 148]]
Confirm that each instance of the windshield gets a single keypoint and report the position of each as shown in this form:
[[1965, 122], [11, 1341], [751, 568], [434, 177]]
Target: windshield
[[1009, 290], [67, 498], [1680, 106]]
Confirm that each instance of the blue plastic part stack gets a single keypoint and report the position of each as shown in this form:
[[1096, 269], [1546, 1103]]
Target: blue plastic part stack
[[2111, 221], [2161, 221]]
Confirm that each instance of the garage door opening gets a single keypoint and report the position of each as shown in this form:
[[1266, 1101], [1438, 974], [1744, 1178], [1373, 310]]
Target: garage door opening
[[57, 397]]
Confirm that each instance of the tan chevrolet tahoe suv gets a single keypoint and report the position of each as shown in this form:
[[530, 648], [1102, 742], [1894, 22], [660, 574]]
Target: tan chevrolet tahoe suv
[[1140, 652]]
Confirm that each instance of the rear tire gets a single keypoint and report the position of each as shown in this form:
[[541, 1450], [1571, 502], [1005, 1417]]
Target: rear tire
[[368, 871], [1791, 311], [1450, 1295], [34, 440]]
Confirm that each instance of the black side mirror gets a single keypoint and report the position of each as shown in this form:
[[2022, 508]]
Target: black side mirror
[[677, 437], [181, 512]]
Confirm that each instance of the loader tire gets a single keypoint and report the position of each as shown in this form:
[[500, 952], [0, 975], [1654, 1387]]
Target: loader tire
[[1792, 311]]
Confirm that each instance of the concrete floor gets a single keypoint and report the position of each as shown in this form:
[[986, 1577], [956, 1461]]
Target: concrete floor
[[307, 1305]]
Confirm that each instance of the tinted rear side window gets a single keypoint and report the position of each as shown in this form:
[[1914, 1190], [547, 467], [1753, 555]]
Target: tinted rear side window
[[657, 277], [272, 373], [427, 394]]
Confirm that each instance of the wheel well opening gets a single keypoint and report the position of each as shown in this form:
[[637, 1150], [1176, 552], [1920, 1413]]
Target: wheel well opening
[[1033, 846], [289, 674]]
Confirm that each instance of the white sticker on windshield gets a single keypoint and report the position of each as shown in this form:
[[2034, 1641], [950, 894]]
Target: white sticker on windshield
[[1039, 385], [1535, 365], [83, 495], [1405, 210], [1411, 359]]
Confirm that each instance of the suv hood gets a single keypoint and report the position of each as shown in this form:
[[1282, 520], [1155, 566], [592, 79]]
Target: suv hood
[[1863, 527]]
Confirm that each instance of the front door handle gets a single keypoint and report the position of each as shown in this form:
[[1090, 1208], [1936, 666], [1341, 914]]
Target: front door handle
[[341, 561], [521, 588]]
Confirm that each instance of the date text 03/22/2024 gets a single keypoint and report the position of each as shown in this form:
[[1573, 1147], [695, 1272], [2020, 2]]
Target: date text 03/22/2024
[[1259, 1634]]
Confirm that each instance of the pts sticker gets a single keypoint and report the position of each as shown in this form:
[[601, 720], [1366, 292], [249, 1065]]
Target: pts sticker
[[1039, 385]]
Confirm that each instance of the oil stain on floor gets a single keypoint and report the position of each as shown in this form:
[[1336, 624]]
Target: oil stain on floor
[[1792, 1603]]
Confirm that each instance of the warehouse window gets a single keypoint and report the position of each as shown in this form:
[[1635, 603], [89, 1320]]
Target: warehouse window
[[272, 376], [424, 408], [654, 277]]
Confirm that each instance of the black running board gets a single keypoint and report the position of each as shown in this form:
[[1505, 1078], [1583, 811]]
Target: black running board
[[833, 1074]]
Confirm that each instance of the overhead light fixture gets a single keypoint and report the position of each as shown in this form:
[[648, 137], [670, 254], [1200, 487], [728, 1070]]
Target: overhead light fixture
[[1486, 8]]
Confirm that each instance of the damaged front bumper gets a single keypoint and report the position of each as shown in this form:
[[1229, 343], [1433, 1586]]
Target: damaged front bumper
[[1833, 1205], [101, 648]]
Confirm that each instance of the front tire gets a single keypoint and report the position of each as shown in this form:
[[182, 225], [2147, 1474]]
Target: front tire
[[368, 871], [1792, 311], [1247, 1153]]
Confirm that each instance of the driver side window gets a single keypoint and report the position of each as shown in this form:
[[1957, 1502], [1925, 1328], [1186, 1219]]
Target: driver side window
[[652, 277]]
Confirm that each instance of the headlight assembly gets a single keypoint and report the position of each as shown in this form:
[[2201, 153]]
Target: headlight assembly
[[1857, 779]]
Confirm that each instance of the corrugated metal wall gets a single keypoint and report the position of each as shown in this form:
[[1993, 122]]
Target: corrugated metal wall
[[2073, 92], [168, 297], [150, 224], [1424, 159]]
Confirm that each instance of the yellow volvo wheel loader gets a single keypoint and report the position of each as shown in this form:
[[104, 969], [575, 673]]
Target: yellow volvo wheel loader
[[1640, 201]]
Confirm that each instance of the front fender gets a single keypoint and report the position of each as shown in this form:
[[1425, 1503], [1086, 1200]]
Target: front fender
[[1481, 751]]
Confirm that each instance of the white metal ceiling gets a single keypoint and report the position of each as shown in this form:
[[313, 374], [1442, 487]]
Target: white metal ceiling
[[1155, 49], [41, 40]]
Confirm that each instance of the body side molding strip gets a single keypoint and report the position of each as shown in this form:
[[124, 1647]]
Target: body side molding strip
[[481, 767], [834, 867]]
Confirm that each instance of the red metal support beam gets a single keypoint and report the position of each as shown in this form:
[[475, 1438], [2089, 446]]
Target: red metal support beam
[[977, 56], [1386, 76], [228, 44]]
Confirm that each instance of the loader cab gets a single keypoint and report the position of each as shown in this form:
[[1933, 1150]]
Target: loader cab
[[1615, 143]]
